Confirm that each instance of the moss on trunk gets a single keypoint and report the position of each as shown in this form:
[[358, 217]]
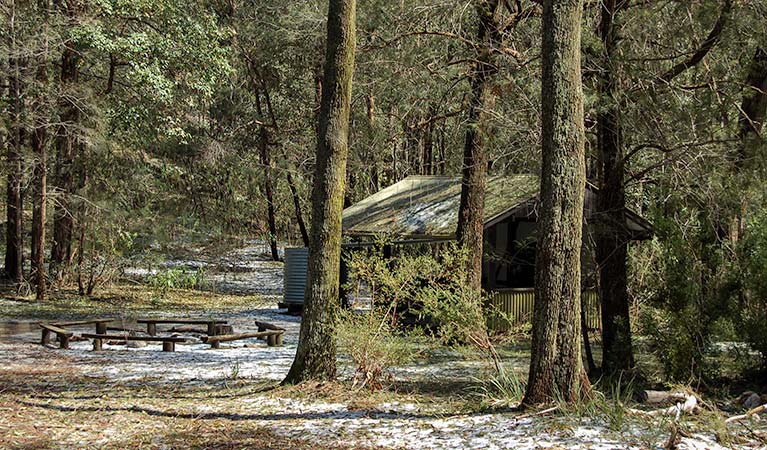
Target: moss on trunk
[[316, 353], [555, 367]]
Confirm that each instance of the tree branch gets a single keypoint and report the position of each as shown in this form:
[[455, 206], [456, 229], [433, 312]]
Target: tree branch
[[713, 38]]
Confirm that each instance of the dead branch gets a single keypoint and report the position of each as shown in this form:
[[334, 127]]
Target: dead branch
[[690, 406], [751, 412]]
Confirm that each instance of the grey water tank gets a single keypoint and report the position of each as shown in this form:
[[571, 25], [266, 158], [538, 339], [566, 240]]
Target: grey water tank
[[296, 261]]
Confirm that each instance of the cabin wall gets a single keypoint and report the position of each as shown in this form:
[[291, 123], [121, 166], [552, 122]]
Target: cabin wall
[[510, 256]]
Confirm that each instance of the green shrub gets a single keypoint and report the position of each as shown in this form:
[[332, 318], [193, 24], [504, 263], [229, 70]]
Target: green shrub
[[750, 286], [428, 286], [176, 278], [374, 346], [689, 306]]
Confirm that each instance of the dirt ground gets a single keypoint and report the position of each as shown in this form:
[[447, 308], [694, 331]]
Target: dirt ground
[[199, 397]]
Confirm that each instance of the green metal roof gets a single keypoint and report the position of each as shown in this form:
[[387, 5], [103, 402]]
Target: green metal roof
[[427, 206]]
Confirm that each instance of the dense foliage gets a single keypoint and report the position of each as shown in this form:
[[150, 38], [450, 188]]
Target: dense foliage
[[200, 116]]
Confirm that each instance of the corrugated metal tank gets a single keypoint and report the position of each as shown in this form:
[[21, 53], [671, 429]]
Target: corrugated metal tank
[[296, 260]]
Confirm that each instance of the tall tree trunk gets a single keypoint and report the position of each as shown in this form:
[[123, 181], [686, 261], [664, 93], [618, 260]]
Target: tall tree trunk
[[267, 163], [66, 153], [297, 207], [555, 366], [316, 353], [14, 206], [753, 111], [471, 209], [753, 107], [39, 142], [263, 150], [612, 237], [260, 88]]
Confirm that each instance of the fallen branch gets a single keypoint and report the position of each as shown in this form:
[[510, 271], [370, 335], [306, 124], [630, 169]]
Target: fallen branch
[[690, 406], [537, 413], [660, 397], [750, 413]]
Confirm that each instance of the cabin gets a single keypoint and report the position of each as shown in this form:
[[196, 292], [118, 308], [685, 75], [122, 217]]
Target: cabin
[[424, 209]]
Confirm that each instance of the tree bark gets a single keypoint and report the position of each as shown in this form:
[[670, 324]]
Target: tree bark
[[14, 205], [753, 106], [555, 367], [471, 209], [612, 237], [39, 143], [316, 353]]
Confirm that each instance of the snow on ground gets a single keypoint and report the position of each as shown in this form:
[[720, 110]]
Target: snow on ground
[[387, 425], [250, 358], [247, 270], [393, 424]]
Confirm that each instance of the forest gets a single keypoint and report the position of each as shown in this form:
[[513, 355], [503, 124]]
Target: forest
[[529, 224]]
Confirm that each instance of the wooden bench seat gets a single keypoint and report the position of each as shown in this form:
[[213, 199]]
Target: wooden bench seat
[[62, 334], [168, 343], [263, 326], [151, 324], [101, 324], [273, 338]]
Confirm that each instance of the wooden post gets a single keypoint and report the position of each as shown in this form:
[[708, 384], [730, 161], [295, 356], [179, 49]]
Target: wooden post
[[151, 328], [271, 341], [211, 328], [101, 328], [278, 340], [215, 344], [46, 339], [168, 346], [64, 341], [97, 345]]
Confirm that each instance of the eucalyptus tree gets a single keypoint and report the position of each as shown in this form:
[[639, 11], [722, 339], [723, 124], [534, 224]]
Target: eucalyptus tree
[[555, 366], [617, 103], [316, 354], [668, 83], [492, 28], [17, 131], [40, 138]]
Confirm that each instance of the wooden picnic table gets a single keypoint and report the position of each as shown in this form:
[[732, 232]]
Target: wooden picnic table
[[101, 324], [168, 343], [151, 324], [273, 338], [62, 334]]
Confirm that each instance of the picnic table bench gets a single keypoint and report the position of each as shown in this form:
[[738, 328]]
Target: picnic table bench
[[151, 324], [62, 334], [273, 338], [263, 326], [101, 324], [168, 342]]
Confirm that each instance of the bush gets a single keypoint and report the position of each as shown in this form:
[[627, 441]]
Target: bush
[[426, 288], [750, 286], [690, 305], [176, 278], [374, 346]]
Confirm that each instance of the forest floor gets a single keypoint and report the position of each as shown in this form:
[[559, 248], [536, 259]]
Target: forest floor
[[229, 398]]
